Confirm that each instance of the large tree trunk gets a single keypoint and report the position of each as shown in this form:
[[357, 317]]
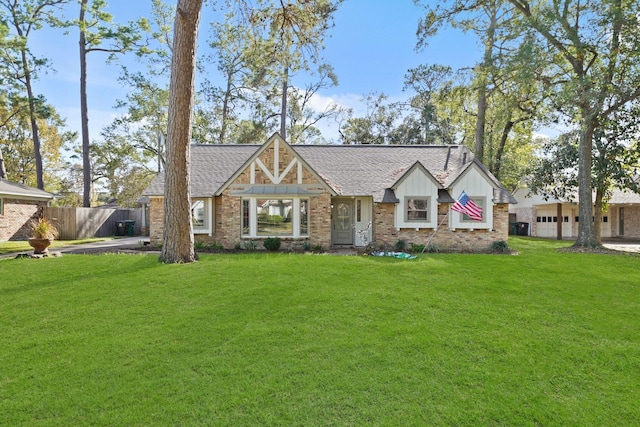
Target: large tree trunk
[[481, 119], [33, 118], [84, 112], [586, 232], [177, 244], [597, 216]]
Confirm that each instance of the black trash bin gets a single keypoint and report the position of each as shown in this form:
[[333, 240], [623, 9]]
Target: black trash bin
[[513, 228], [523, 229], [121, 228], [130, 224]]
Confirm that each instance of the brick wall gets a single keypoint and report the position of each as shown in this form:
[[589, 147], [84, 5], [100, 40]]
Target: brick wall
[[14, 222], [444, 238], [156, 220]]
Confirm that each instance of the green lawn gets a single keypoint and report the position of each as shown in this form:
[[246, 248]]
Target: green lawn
[[541, 338]]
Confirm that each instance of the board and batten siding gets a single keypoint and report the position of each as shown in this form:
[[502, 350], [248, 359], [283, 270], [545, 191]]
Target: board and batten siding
[[474, 183], [417, 185]]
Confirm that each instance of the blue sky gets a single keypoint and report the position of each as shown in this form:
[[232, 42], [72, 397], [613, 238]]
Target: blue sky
[[371, 48]]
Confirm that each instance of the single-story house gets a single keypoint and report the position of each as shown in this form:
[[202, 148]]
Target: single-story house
[[559, 219], [19, 204], [337, 195]]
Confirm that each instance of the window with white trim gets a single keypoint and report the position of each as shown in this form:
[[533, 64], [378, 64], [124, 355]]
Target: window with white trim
[[275, 217], [416, 209], [200, 215], [480, 201]]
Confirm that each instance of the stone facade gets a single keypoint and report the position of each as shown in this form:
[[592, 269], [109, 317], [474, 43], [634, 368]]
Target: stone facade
[[444, 238], [16, 216]]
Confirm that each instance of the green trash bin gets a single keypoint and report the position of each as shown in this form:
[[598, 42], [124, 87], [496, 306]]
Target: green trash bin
[[513, 230], [130, 226]]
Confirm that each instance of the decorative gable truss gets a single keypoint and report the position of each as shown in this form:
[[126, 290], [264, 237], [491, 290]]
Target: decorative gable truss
[[278, 192]]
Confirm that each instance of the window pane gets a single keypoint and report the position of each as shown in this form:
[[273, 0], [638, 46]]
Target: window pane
[[304, 216], [274, 217], [417, 209], [480, 203], [245, 217], [197, 213]]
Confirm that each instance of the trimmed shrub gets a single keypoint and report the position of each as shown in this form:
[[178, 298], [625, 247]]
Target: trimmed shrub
[[272, 243]]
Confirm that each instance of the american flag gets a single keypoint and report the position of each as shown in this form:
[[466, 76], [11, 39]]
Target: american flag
[[468, 207]]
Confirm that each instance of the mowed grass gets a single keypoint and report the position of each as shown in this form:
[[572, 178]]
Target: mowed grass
[[541, 338]]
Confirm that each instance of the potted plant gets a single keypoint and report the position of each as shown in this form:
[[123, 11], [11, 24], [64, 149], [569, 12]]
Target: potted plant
[[43, 232]]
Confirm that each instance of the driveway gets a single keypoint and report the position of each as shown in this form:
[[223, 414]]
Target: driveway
[[630, 245]]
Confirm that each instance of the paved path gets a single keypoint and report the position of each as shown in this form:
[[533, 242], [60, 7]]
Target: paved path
[[122, 243], [621, 245]]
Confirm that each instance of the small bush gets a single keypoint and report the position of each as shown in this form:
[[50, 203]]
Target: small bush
[[500, 247], [250, 246], [317, 248], [272, 243], [432, 248], [400, 246], [415, 248], [306, 246]]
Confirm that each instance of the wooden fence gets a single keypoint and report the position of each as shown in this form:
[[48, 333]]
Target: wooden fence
[[80, 223]]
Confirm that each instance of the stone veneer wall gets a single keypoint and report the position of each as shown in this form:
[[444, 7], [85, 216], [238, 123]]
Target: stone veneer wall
[[14, 222], [444, 238]]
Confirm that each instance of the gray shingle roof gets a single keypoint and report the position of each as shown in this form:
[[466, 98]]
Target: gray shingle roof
[[15, 189], [351, 170]]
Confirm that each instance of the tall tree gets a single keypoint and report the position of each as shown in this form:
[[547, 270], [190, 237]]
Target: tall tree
[[99, 34], [598, 53], [178, 240], [498, 101], [376, 126], [16, 141], [295, 32], [615, 162], [145, 121], [20, 67]]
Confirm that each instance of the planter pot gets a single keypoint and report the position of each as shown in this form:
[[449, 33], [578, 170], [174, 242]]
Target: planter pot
[[40, 245]]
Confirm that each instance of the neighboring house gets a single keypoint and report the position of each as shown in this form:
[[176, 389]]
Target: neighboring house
[[19, 204], [559, 219], [328, 195]]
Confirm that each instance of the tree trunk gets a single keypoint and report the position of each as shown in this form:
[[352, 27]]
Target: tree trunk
[[586, 233], [3, 170], [33, 118], [84, 112], [497, 162], [225, 110], [481, 119], [283, 108], [178, 242], [597, 216]]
